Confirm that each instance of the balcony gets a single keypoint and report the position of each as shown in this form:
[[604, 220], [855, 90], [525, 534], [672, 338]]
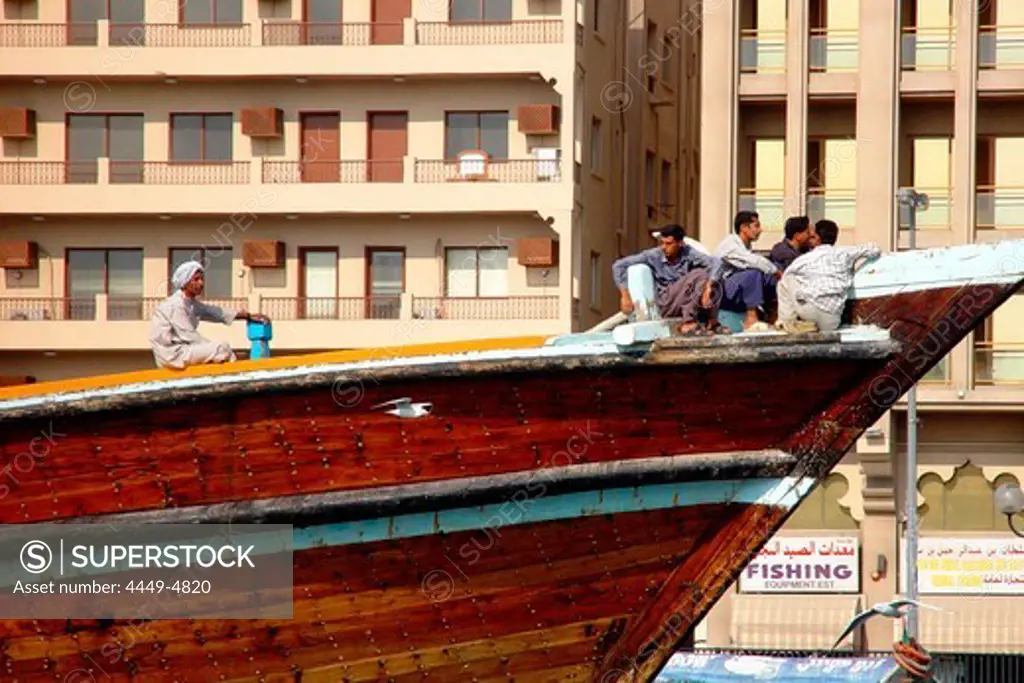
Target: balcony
[[299, 323], [770, 206], [833, 50], [1001, 47], [938, 216], [1000, 208], [834, 204], [928, 49], [281, 48], [762, 52], [164, 187], [998, 364], [928, 60], [762, 63]]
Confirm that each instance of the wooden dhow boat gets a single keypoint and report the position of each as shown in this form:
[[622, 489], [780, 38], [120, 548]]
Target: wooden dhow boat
[[518, 509]]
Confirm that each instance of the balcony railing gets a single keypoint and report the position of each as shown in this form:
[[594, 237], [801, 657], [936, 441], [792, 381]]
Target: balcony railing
[[762, 51], [770, 206], [494, 170], [279, 33], [127, 309], [357, 171], [486, 308], [1001, 47], [141, 308], [834, 50], [837, 205], [178, 35], [125, 173], [278, 172], [998, 363], [1000, 208], [40, 308], [33, 172], [332, 308], [939, 215], [928, 49], [32, 34], [523, 32], [283, 33]]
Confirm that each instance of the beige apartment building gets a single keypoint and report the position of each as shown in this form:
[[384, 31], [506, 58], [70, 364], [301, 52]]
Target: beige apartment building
[[829, 108], [367, 173]]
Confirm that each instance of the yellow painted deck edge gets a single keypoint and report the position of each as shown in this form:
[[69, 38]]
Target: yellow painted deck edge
[[353, 356]]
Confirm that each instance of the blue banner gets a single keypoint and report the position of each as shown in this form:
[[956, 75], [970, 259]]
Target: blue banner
[[712, 668]]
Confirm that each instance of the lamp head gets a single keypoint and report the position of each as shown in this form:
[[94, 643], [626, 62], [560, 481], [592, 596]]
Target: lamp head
[[1009, 499]]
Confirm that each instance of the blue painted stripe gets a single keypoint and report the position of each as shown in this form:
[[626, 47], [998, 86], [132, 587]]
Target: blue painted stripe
[[784, 492]]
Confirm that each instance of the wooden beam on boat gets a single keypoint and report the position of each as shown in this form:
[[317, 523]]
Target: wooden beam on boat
[[669, 352], [342, 506]]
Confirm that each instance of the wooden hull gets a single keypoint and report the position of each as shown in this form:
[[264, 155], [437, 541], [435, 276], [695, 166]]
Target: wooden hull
[[691, 463]]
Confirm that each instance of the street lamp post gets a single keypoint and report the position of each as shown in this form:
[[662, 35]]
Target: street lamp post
[[914, 201]]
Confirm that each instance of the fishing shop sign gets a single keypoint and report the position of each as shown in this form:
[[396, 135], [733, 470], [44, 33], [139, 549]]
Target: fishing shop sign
[[801, 564]]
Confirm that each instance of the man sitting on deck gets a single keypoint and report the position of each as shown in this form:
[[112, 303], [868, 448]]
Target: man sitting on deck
[[172, 332], [815, 285], [685, 279], [798, 241], [749, 278]]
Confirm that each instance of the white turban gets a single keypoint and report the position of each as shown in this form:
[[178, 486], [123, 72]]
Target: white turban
[[184, 274]]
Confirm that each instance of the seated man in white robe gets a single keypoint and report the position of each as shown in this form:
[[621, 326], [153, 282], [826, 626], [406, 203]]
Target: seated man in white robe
[[173, 328]]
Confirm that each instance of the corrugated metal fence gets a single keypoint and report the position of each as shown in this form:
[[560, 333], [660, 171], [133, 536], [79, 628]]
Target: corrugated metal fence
[[949, 667]]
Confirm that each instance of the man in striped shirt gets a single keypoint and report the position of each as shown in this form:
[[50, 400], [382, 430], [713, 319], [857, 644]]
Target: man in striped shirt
[[815, 285]]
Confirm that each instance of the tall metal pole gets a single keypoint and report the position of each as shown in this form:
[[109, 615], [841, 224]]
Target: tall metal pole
[[910, 533]]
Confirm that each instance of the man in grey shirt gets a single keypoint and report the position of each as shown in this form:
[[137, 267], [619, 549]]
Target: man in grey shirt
[[687, 281]]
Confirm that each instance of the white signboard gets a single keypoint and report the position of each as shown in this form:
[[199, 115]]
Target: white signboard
[[970, 566], [792, 564]]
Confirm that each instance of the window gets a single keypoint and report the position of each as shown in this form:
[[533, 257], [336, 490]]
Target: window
[[318, 285], [666, 186], [596, 146], [216, 264], [116, 137], [385, 282], [649, 184], [481, 10], [474, 272], [125, 16], [201, 137], [114, 272], [652, 39], [470, 130], [595, 281], [211, 11]]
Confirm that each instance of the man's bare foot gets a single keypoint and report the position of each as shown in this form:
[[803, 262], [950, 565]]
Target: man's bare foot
[[750, 319]]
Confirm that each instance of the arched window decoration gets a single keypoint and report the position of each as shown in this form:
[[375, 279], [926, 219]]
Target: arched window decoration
[[964, 503], [821, 509]]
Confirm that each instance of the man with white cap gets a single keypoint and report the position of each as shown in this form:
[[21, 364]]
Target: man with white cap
[[172, 331]]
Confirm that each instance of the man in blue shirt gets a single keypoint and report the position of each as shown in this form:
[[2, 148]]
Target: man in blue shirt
[[688, 283]]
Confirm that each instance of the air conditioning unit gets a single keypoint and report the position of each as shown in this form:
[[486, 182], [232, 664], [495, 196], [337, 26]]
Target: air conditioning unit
[[262, 122], [538, 119], [263, 253], [17, 123], [22, 254]]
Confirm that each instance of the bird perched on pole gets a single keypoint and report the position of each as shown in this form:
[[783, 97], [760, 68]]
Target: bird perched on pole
[[897, 609]]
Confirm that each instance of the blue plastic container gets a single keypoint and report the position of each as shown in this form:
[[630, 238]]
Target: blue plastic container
[[260, 335]]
